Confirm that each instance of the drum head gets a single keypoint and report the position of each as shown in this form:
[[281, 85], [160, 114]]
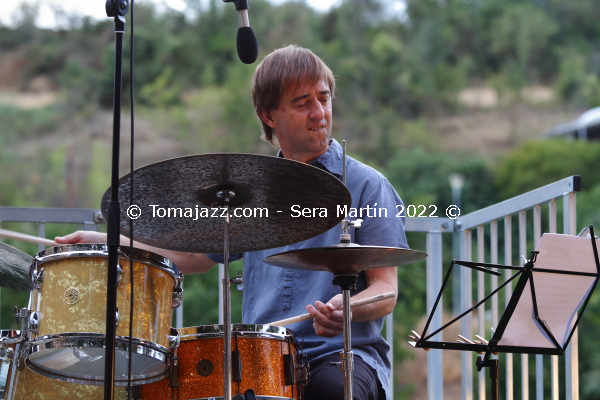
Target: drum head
[[86, 365]]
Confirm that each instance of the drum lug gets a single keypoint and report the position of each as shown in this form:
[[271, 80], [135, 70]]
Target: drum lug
[[28, 320], [34, 324], [303, 378], [174, 339], [236, 366], [178, 292], [116, 316], [37, 278], [119, 274], [174, 373], [289, 369]]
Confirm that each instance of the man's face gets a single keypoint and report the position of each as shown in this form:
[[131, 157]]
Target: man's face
[[302, 121]]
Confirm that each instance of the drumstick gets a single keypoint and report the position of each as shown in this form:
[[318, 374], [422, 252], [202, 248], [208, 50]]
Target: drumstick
[[356, 303], [27, 238]]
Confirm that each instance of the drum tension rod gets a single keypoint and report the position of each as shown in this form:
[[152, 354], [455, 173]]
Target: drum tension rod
[[27, 319]]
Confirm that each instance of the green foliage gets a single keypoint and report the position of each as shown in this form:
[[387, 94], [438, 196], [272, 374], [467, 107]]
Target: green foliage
[[536, 164], [588, 206], [576, 82], [161, 92], [421, 178], [521, 33], [21, 124], [201, 297], [98, 177]]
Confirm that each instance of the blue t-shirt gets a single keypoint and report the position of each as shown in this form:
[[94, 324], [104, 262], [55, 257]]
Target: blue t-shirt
[[272, 293]]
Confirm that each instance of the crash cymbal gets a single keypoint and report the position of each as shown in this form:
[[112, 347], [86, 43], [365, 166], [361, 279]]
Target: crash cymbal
[[14, 268], [277, 202], [345, 259]]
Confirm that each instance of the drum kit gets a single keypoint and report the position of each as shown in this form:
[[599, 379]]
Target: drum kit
[[60, 348]]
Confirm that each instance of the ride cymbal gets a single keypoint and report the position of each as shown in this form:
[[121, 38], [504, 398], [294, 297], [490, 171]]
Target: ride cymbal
[[276, 202]]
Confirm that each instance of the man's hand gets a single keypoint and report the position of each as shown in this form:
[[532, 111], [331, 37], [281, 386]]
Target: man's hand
[[328, 320], [188, 263], [82, 237]]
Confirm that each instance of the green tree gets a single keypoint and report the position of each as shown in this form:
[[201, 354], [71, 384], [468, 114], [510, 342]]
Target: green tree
[[535, 164]]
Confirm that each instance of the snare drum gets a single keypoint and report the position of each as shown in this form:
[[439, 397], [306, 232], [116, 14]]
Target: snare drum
[[266, 359], [67, 324]]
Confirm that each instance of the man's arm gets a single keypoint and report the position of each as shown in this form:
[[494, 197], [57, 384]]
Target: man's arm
[[188, 263], [328, 321]]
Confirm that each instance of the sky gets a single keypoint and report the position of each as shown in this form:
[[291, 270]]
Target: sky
[[95, 8]]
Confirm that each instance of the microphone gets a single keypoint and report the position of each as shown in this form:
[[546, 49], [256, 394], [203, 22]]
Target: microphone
[[247, 45]]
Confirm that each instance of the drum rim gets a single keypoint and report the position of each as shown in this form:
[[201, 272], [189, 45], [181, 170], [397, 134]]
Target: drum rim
[[237, 397], [93, 340], [92, 381], [245, 330], [101, 250], [121, 342]]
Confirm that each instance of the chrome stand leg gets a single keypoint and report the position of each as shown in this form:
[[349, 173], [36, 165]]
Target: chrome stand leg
[[226, 313], [347, 357], [347, 282]]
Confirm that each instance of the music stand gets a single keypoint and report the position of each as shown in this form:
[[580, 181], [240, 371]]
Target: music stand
[[551, 293]]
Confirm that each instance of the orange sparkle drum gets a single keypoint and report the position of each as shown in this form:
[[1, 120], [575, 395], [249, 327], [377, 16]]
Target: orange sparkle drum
[[67, 325], [264, 360]]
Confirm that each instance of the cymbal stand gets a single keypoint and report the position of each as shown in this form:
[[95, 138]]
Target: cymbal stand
[[347, 283], [225, 196]]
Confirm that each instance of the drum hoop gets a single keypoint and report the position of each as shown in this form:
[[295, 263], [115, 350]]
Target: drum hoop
[[242, 330], [236, 397], [101, 250], [90, 380], [96, 340]]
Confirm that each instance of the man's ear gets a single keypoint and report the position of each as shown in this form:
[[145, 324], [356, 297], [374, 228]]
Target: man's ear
[[266, 117]]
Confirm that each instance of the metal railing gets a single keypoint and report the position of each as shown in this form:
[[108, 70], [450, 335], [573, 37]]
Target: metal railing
[[491, 217], [434, 229]]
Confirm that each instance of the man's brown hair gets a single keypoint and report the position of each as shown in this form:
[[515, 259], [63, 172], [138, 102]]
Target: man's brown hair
[[281, 71]]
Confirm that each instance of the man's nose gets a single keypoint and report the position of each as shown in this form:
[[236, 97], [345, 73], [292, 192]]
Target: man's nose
[[317, 111]]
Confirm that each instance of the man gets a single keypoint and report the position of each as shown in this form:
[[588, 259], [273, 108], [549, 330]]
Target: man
[[292, 95]]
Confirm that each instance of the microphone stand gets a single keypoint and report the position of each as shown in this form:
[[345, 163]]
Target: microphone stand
[[117, 9]]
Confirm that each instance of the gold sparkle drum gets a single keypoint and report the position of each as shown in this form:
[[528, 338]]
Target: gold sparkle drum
[[17, 382], [67, 321], [264, 360], [28, 385]]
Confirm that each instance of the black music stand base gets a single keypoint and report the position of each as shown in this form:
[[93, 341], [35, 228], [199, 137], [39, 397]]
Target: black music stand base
[[494, 373]]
